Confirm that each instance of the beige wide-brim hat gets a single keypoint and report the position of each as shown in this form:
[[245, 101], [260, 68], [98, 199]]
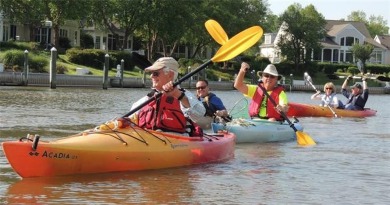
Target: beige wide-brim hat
[[270, 69], [163, 62]]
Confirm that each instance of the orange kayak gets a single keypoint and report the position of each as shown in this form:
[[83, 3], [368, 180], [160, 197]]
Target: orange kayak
[[307, 110], [123, 149]]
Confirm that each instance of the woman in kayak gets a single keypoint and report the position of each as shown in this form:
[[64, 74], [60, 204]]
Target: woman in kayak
[[261, 106], [329, 97]]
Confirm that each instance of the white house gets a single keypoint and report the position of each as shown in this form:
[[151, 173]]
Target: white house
[[384, 40], [340, 36]]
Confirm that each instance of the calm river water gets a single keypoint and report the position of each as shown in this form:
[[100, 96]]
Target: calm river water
[[349, 165]]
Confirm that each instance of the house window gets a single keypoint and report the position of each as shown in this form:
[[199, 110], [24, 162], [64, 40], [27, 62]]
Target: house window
[[181, 49], [75, 38], [335, 55], [342, 41], [42, 35], [348, 57], [349, 41], [122, 41], [376, 57], [104, 43], [97, 42], [5, 33], [267, 39], [111, 42], [63, 33], [13, 31], [327, 55], [342, 53]]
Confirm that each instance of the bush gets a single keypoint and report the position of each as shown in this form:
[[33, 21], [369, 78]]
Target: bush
[[18, 45], [117, 56], [353, 70], [13, 58], [86, 41], [95, 58], [64, 43], [38, 63], [61, 69]]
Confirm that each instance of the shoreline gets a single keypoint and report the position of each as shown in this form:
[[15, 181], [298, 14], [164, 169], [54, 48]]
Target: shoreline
[[63, 80]]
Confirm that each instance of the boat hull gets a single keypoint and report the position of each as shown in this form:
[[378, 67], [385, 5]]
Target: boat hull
[[307, 110], [257, 130], [126, 149]]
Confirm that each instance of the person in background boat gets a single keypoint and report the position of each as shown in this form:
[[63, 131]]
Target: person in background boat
[[261, 106], [175, 109], [329, 97], [213, 104], [358, 96]]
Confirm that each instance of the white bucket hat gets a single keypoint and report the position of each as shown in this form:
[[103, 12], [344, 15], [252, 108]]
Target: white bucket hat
[[270, 69]]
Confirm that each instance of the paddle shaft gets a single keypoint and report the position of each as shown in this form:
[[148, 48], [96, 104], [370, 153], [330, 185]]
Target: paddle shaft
[[281, 112], [311, 84], [188, 75]]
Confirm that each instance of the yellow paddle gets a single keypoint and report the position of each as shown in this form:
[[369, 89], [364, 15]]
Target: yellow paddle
[[233, 47], [216, 31], [302, 138]]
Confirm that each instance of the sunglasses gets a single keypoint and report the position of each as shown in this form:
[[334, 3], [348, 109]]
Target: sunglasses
[[269, 76], [155, 73], [201, 87], [328, 88]]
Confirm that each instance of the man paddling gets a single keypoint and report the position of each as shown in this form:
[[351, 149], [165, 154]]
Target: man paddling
[[170, 112], [358, 96]]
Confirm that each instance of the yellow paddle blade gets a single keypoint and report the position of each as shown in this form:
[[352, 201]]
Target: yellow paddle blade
[[304, 139], [216, 31], [238, 44]]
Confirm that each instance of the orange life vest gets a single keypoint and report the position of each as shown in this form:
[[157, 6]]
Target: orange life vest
[[257, 99], [163, 113]]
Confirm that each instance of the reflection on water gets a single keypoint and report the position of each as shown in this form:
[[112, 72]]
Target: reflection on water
[[160, 187], [349, 165]]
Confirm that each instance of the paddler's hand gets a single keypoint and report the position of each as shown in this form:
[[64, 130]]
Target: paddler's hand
[[281, 108], [169, 90], [244, 67]]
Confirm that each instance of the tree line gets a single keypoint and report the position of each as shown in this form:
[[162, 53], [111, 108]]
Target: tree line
[[167, 23]]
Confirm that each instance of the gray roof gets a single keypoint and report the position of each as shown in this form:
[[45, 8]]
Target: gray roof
[[335, 26], [384, 40]]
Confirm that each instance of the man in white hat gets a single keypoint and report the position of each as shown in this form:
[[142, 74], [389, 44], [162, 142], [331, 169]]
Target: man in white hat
[[358, 96], [261, 106], [174, 99]]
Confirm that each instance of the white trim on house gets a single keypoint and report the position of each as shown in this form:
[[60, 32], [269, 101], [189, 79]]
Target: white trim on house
[[339, 39]]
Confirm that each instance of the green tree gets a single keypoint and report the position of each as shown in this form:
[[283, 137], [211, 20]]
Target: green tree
[[119, 15], [34, 13], [58, 11], [376, 25], [363, 53], [24, 12], [301, 32]]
